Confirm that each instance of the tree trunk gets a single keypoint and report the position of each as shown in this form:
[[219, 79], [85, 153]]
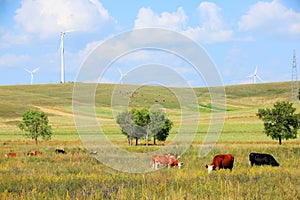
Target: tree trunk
[[154, 140], [136, 141], [279, 140], [147, 139]]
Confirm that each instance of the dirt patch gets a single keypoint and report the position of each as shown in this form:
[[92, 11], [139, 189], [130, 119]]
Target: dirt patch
[[54, 111]]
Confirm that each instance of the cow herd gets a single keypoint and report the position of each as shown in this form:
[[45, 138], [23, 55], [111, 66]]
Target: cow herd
[[220, 161], [34, 153]]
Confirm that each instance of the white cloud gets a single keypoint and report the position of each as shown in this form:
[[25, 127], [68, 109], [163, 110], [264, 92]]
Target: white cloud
[[271, 17], [12, 60], [89, 48], [7, 39], [213, 28], [50, 17], [210, 16], [147, 18], [207, 36]]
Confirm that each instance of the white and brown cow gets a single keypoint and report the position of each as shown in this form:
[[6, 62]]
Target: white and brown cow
[[175, 155], [169, 160], [34, 153]]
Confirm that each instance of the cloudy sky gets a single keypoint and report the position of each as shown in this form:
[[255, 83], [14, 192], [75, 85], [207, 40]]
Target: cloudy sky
[[236, 35]]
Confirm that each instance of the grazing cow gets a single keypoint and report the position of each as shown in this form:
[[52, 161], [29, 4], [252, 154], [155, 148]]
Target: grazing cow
[[262, 159], [94, 153], [62, 151], [34, 153], [11, 154], [165, 160], [175, 155], [221, 161]]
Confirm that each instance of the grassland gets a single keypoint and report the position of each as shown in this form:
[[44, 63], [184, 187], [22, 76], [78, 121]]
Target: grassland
[[78, 175]]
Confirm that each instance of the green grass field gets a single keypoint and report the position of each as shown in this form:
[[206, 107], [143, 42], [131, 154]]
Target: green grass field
[[78, 175]]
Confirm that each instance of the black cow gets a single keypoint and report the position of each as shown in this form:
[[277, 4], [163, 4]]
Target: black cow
[[262, 159], [62, 151]]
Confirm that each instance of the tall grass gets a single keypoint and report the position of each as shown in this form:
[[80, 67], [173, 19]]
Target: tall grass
[[79, 175]]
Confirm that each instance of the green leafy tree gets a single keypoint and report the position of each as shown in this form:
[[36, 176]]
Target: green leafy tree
[[142, 119], [164, 132], [144, 124], [280, 122], [160, 125], [128, 127], [35, 124]]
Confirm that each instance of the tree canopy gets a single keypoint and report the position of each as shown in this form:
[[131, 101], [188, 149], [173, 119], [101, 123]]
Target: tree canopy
[[143, 123], [280, 122], [35, 124]]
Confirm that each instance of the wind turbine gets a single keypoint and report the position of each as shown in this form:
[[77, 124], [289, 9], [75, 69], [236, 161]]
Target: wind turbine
[[62, 60], [122, 75], [31, 73], [255, 75]]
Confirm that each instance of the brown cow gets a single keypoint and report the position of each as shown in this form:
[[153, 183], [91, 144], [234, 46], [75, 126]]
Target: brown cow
[[221, 161], [34, 153], [11, 154], [164, 160]]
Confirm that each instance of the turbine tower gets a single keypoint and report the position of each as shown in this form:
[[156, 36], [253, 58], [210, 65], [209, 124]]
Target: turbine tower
[[295, 88], [62, 59], [31, 73], [254, 76]]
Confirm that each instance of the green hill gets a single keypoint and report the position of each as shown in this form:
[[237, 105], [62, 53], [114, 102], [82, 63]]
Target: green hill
[[16, 99], [56, 100]]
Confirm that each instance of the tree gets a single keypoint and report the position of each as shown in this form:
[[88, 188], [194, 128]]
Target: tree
[[164, 132], [280, 122], [35, 124], [160, 125], [144, 124], [128, 127], [142, 119]]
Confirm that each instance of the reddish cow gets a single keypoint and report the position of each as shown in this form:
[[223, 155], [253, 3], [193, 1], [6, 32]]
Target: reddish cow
[[164, 160], [11, 154], [221, 161], [34, 153]]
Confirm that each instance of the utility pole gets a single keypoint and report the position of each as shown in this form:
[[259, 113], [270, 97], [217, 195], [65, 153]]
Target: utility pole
[[295, 88]]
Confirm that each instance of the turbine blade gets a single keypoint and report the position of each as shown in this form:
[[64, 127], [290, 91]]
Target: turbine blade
[[71, 30], [259, 78], [255, 72], [35, 70], [27, 70], [120, 72], [61, 39]]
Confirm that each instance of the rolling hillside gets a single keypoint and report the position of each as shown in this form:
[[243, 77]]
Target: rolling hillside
[[16, 99], [56, 100]]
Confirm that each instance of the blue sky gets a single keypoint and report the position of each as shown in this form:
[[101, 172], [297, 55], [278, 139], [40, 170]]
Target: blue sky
[[237, 35]]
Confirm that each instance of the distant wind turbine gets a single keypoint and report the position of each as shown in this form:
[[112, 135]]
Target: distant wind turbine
[[122, 75], [255, 75], [62, 63], [31, 73]]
